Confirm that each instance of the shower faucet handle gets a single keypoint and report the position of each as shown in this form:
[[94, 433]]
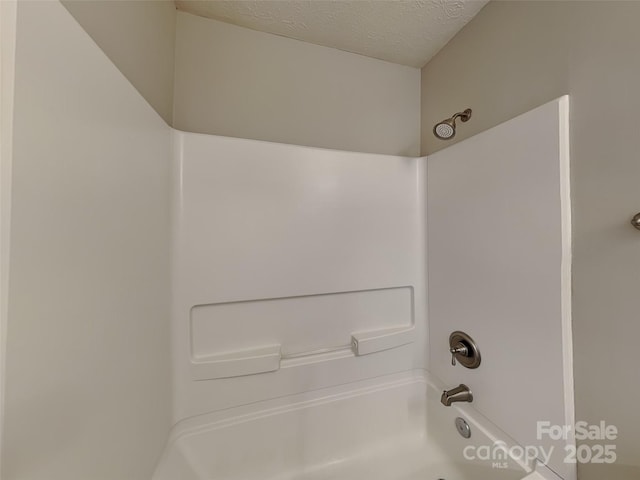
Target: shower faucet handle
[[459, 349], [463, 350]]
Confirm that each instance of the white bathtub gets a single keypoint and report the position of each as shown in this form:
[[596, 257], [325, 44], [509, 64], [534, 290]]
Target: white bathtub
[[389, 428]]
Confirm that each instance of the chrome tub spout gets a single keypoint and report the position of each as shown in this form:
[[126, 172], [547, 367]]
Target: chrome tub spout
[[459, 394]]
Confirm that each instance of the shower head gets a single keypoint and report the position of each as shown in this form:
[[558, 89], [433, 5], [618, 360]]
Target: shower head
[[446, 129]]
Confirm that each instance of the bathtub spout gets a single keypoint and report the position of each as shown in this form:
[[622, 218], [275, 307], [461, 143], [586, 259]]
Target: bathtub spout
[[459, 394]]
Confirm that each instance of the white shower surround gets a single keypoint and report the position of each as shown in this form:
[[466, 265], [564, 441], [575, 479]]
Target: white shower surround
[[337, 234], [499, 252], [347, 193], [346, 254]]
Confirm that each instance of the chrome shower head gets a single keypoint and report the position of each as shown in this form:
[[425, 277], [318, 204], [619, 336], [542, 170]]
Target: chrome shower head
[[446, 129]]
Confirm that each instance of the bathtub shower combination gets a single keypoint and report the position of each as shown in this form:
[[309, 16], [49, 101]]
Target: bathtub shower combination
[[302, 328], [322, 301]]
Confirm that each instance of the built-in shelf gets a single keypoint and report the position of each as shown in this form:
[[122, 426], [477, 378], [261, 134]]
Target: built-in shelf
[[364, 343], [236, 364], [266, 359]]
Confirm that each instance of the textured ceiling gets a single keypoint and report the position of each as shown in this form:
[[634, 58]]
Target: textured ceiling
[[408, 32]]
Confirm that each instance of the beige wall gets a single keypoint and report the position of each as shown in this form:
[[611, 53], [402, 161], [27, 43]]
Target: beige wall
[[88, 373], [7, 67], [514, 56], [139, 37], [237, 82]]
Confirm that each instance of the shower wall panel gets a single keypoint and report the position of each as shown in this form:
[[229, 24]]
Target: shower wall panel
[[295, 268], [499, 253]]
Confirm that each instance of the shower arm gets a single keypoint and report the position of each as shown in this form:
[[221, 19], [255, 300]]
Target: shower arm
[[464, 116]]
